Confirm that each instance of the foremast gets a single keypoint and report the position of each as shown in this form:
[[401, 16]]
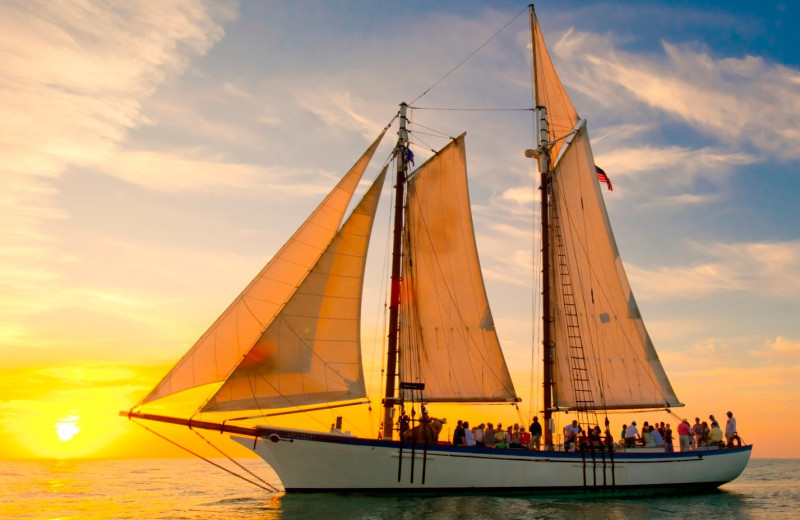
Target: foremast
[[400, 153]]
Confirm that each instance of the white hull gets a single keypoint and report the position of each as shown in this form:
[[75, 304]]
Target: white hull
[[317, 462]]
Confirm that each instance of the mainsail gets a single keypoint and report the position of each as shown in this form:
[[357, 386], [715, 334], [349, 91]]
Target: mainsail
[[449, 341], [597, 324], [233, 335]]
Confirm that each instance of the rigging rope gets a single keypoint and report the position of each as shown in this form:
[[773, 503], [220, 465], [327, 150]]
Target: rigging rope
[[470, 56], [234, 461], [184, 448]]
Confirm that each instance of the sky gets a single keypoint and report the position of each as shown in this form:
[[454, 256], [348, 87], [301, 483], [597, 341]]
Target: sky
[[155, 155]]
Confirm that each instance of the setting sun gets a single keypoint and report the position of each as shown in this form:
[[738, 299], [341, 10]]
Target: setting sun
[[67, 427]]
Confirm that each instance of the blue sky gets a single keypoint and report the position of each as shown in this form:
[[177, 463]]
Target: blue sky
[[156, 156]]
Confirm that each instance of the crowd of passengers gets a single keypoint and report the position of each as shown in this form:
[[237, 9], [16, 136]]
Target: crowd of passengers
[[486, 435], [656, 435]]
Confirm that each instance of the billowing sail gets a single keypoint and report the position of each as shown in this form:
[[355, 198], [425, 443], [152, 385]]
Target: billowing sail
[[550, 93], [604, 357], [448, 341], [226, 343], [311, 352]]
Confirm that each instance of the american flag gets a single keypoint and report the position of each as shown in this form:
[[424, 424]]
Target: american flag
[[602, 177]]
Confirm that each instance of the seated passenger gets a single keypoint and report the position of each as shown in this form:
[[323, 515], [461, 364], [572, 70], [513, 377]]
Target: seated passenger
[[715, 436], [469, 437], [571, 432], [500, 437], [488, 436], [657, 438], [524, 437], [647, 437]]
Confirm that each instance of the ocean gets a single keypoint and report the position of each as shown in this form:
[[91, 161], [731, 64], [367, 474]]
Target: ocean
[[186, 488]]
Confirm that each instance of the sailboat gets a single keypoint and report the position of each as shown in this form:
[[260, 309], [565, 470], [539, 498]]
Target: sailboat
[[290, 342]]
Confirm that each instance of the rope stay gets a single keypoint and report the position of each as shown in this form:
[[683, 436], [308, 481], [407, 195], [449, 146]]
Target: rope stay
[[270, 489]]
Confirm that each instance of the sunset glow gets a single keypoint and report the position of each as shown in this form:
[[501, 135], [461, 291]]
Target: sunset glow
[[155, 157]]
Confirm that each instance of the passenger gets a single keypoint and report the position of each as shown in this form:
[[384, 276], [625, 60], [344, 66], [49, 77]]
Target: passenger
[[647, 436], [509, 437], [469, 437], [730, 429], [479, 435], [657, 438], [684, 434], [662, 430], [697, 429], [524, 438], [631, 433], [704, 434], [624, 429], [715, 435], [609, 440], [593, 437], [488, 436], [515, 437], [571, 432], [500, 437], [668, 439], [405, 422], [458, 434], [536, 434]]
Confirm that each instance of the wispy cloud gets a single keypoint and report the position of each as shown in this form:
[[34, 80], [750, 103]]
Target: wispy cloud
[[336, 110], [771, 269], [74, 77], [743, 100]]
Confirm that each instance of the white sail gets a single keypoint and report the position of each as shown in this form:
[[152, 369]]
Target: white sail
[[448, 340], [226, 343], [596, 316], [311, 352]]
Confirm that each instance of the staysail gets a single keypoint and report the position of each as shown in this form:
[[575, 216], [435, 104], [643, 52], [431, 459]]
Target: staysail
[[311, 352], [448, 341], [231, 337]]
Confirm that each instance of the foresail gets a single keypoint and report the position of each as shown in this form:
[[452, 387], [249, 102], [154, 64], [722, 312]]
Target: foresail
[[623, 367], [448, 340], [225, 344], [551, 94], [311, 352]]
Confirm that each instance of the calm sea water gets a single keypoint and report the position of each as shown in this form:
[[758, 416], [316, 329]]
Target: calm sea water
[[159, 489]]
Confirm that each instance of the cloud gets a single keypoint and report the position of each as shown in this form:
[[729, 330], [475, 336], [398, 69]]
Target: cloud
[[744, 101], [771, 269], [335, 109], [74, 77], [674, 164]]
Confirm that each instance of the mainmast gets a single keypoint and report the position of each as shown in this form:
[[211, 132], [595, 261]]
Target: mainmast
[[400, 151], [543, 153]]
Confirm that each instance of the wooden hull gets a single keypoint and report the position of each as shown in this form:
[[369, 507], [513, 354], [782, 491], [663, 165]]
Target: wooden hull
[[318, 462]]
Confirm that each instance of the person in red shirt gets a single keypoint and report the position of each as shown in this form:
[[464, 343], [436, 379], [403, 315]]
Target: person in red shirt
[[684, 432], [524, 437]]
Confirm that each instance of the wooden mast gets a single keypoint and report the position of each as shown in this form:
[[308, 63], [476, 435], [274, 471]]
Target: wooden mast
[[543, 152], [397, 254]]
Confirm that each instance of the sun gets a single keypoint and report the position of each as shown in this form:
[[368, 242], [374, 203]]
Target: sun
[[67, 427]]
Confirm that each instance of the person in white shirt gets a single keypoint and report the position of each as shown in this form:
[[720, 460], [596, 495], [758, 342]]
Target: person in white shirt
[[571, 432], [730, 428], [469, 437], [630, 434]]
